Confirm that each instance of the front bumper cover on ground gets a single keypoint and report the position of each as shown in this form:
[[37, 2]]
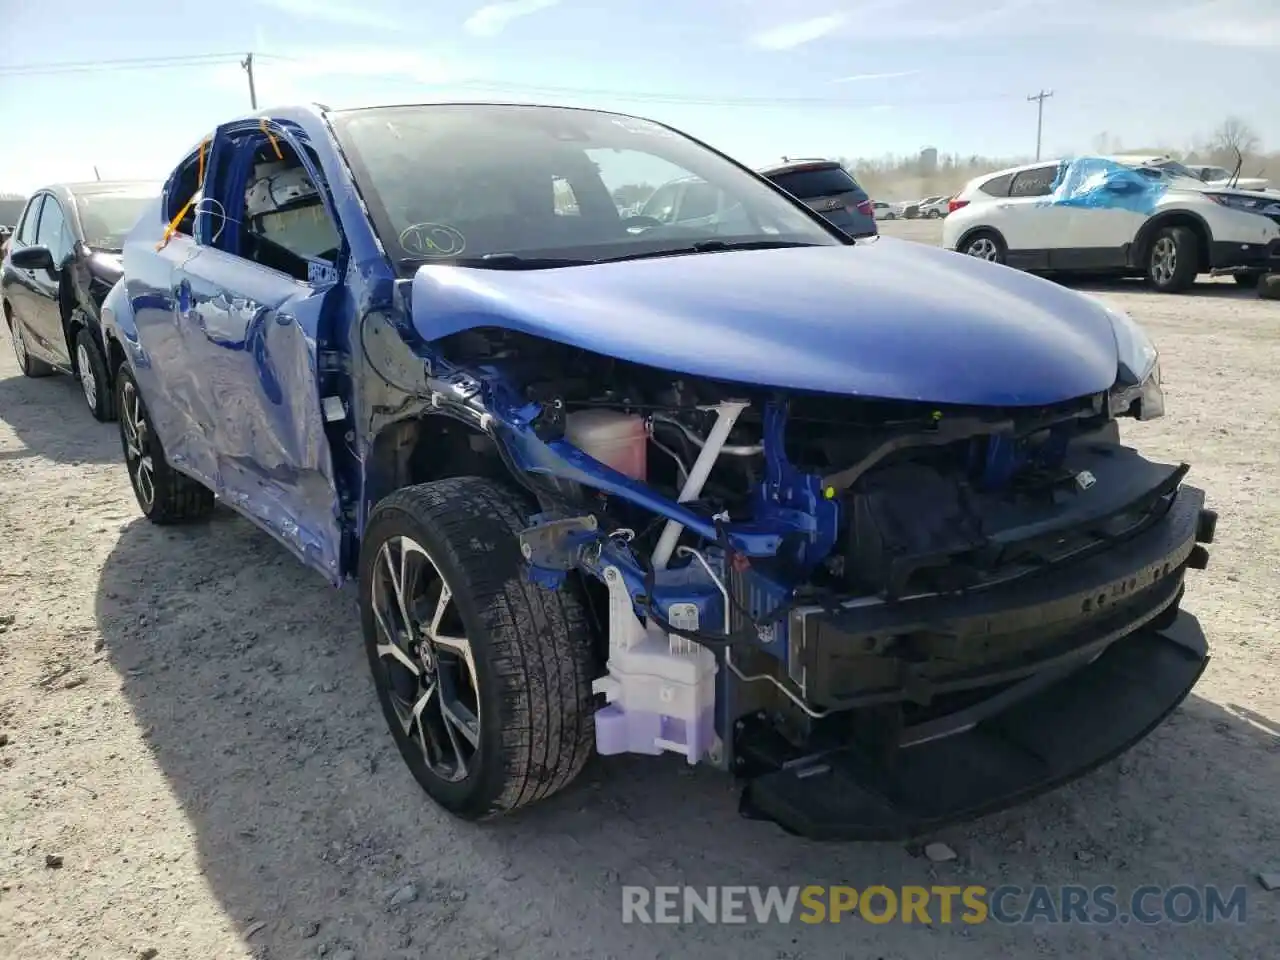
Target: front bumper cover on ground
[[1055, 712], [1040, 743]]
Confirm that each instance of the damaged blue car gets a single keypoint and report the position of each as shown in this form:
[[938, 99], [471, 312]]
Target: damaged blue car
[[849, 520]]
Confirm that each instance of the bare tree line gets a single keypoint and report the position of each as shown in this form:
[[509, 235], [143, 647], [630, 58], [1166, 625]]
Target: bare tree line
[[893, 177]]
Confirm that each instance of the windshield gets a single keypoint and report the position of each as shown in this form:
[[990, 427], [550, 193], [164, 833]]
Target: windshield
[[1170, 168], [107, 217], [462, 182]]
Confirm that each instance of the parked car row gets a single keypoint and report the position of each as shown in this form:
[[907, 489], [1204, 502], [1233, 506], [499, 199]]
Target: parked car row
[[64, 259], [659, 482], [1122, 215]]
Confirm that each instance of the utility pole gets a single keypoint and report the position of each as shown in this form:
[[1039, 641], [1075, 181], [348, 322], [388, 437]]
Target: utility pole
[[247, 63], [1039, 98]]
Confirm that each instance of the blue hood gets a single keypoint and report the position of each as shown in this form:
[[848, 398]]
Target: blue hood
[[889, 318]]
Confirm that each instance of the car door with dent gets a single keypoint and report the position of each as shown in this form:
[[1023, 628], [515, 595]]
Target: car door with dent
[[167, 370], [253, 306]]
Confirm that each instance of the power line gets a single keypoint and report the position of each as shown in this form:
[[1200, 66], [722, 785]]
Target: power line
[[145, 63], [1039, 98], [249, 61]]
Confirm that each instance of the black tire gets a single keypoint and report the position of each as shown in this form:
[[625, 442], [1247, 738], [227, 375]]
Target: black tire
[[973, 246], [29, 365], [96, 387], [1248, 280], [174, 497], [531, 648], [1173, 260]]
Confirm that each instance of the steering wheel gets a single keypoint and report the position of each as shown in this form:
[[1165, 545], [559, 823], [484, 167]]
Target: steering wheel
[[640, 221]]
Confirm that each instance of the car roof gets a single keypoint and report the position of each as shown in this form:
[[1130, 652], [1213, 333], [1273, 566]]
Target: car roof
[[88, 188], [794, 166]]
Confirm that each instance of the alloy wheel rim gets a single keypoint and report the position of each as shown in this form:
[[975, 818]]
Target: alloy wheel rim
[[1164, 260], [429, 669], [137, 446], [983, 248], [87, 381]]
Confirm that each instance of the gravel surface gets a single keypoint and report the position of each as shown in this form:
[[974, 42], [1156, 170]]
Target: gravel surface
[[192, 764]]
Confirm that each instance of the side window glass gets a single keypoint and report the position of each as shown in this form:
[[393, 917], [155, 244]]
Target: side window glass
[[27, 231], [181, 192], [283, 222], [999, 187], [53, 230], [1037, 182]]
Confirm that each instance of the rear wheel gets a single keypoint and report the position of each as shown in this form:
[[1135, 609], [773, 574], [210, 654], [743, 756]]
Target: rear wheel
[[29, 365], [1173, 260], [94, 382], [985, 245], [484, 678], [164, 495]]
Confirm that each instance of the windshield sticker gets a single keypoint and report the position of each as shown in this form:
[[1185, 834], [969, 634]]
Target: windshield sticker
[[432, 240], [320, 272]]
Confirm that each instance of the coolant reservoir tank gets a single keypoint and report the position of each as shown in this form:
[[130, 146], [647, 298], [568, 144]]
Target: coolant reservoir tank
[[612, 437]]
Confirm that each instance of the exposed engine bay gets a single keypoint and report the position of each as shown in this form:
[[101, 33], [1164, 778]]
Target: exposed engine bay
[[780, 574]]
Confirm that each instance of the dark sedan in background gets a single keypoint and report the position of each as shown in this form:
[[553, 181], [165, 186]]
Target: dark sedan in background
[[826, 187], [61, 262]]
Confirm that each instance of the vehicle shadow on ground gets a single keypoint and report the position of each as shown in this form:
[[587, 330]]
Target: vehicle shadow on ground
[[248, 677], [1203, 287], [50, 418]]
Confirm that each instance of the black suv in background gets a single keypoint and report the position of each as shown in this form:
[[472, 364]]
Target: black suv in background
[[829, 189], [61, 262]]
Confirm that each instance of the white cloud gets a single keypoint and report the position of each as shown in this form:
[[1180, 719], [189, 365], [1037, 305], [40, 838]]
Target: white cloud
[[347, 12], [797, 33], [493, 18], [859, 77], [325, 74]]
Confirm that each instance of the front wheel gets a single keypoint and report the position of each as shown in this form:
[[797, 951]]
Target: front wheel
[[1173, 260], [484, 678], [91, 367], [164, 495]]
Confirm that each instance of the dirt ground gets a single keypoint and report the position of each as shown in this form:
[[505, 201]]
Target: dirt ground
[[188, 728]]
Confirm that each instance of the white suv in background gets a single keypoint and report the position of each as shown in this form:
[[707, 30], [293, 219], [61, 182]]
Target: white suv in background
[[1116, 215]]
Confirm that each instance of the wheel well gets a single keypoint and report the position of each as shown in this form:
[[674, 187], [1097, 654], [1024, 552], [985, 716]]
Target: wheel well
[[975, 231], [115, 356], [437, 447], [430, 448], [1147, 236]]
